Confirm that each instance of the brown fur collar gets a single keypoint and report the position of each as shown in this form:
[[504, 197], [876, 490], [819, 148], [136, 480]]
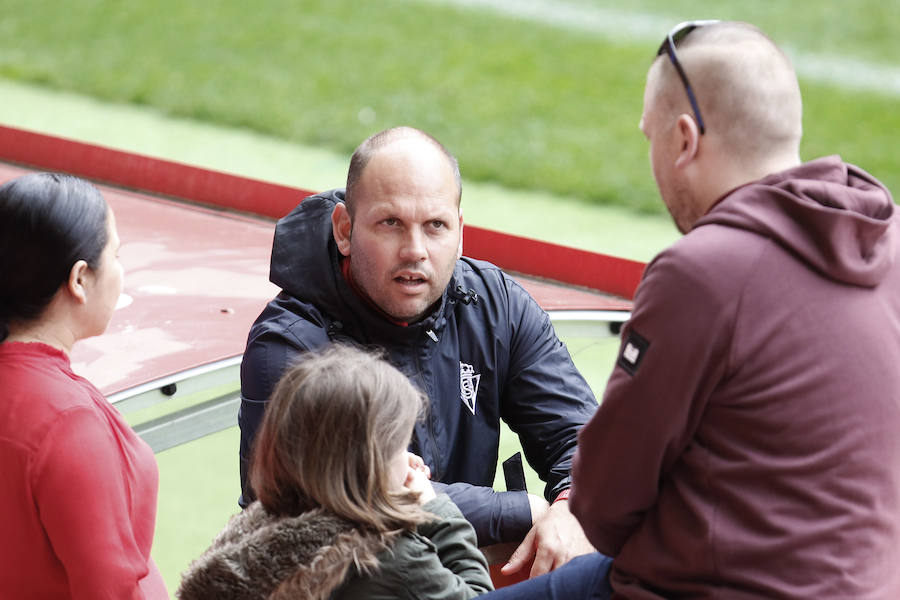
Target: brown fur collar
[[258, 556]]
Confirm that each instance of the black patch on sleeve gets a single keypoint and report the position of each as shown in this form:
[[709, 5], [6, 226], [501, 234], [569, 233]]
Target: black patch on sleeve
[[633, 350]]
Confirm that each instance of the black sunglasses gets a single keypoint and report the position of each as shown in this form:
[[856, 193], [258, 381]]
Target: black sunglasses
[[668, 46]]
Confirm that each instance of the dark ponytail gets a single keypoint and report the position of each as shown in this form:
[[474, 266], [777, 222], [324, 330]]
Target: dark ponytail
[[48, 222]]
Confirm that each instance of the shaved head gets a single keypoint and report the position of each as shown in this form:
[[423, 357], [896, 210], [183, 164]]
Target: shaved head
[[400, 225], [745, 85], [749, 100], [415, 140]]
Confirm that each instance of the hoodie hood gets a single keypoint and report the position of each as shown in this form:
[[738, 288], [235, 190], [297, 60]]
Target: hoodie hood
[[832, 215]]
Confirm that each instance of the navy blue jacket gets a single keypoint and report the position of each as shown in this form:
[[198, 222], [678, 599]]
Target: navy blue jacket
[[489, 352]]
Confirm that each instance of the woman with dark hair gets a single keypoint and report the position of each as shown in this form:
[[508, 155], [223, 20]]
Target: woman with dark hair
[[79, 486], [344, 511]]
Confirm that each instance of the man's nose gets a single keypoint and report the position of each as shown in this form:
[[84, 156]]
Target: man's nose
[[413, 247]]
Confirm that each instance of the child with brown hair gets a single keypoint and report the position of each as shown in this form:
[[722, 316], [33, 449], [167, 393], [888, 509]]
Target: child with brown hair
[[344, 511]]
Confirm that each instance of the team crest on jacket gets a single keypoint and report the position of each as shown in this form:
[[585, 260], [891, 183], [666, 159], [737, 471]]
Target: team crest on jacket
[[468, 385]]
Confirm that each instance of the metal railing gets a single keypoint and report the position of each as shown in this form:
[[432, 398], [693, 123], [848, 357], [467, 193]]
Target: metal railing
[[205, 400]]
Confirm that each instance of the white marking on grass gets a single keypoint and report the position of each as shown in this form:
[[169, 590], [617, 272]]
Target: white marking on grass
[[846, 73], [578, 17]]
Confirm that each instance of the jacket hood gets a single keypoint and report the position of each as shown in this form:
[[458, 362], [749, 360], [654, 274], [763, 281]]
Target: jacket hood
[[832, 215], [304, 255], [258, 556], [306, 265]]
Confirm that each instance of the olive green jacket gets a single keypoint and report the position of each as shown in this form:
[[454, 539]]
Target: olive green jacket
[[320, 556]]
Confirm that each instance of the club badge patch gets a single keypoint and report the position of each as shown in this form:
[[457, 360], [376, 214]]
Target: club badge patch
[[468, 385], [633, 350]]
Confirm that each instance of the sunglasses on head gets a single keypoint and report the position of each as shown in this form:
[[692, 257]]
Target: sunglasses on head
[[678, 33]]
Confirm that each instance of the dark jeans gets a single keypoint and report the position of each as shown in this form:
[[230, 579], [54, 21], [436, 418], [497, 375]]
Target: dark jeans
[[582, 578]]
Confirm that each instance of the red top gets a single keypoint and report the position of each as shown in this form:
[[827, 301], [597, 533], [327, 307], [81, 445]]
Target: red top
[[78, 486]]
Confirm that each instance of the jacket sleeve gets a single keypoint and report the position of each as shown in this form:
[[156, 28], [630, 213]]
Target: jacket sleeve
[[545, 400], [273, 344], [84, 503], [674, 350], [454, 568], [496, 516]]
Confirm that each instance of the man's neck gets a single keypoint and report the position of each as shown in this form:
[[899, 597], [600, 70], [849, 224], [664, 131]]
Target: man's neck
[[733, 174]]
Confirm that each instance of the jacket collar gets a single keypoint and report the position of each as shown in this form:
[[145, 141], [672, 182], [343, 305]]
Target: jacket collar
[[306, 264]]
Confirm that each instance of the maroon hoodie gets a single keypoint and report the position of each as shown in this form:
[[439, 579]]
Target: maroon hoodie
[[748, 443]]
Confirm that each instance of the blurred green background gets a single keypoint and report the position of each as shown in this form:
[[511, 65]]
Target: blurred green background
[[531, 94], [539, 99]]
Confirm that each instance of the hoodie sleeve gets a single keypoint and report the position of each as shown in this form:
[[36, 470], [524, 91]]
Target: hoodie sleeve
[[674, 350], [545, 399]]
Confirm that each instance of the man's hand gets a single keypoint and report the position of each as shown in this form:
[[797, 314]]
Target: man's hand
[[554, 539]]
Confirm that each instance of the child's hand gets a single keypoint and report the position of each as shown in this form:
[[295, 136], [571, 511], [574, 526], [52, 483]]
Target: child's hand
[[417, 464], [418, 483]]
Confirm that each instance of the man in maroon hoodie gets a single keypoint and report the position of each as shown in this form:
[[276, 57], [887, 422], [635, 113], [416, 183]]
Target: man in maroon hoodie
[[748, 443]]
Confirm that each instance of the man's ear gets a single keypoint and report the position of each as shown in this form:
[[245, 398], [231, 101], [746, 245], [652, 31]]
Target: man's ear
[[341, 226], [459, 250], [688, 139], [76, 284]]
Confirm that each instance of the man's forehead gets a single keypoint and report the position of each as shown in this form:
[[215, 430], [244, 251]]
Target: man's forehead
[[410, 174], [656, 77], [405, 181], [410, 154], [425, 206], [663, 87], [648, 99]]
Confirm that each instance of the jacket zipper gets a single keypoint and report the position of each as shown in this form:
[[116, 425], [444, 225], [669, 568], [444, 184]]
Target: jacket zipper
[[434, 446]]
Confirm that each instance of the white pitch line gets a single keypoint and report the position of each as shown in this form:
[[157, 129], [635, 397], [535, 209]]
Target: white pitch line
[[846, 73]]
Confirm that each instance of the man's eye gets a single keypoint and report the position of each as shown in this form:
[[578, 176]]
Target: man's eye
[[437, 224], [390, 221]]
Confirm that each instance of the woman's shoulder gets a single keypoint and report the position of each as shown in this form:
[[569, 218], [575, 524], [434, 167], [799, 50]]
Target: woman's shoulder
[[39, 393]]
